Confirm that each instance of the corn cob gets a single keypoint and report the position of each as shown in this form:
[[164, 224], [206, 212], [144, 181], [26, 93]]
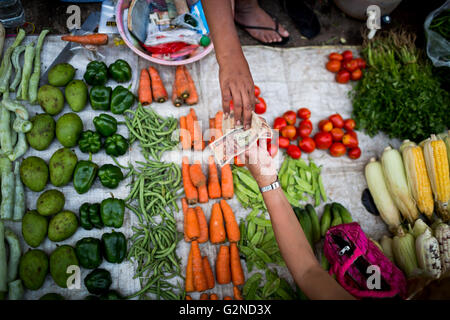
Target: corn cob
[[442, 234], [383, 200], [419, 228], [404, 250], [395, 176], [416, 174], [428, 256], [446, 140], [386, 244], [438, 171]]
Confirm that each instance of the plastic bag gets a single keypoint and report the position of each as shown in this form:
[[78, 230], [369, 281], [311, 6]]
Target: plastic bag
[[438, 49]]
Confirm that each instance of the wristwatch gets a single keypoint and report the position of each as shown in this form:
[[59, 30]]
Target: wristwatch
[[271, 186]]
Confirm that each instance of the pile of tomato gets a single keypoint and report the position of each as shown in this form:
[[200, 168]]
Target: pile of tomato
[[345, 66], [335, 134]]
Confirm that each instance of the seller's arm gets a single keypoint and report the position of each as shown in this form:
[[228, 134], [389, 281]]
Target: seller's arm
[[236, 81], [294, 247]]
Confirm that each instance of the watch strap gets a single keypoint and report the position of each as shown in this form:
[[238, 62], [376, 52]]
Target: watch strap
[[272, 186]]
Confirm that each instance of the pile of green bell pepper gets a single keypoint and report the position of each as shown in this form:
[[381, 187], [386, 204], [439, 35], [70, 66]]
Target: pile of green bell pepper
[[100, 97], [98, 281], [120, 71], [90, 216], [84, 175], [96, 73], [110, 175], [88, 251], [114, 246], [112, 211], [116, 145], [90, 142], [121, 99], [105, 124]]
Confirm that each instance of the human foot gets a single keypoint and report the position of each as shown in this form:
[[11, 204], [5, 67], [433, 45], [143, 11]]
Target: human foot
[[249, 14]]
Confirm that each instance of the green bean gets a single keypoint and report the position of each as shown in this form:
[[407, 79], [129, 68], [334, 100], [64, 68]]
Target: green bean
[[15, 59], [6, 66], [7, 204], [5, 130], [34, 79], [14, 254], [19, 194], [26, 72]]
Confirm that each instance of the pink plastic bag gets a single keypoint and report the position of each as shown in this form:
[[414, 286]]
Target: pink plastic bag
[[351, 253]]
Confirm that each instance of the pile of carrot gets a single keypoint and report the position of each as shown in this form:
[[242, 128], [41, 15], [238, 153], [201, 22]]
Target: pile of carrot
[[183, 88], [151, 87], [190, 132]]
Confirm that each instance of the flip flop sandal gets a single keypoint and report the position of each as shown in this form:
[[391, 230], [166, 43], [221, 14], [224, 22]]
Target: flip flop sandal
[[283, 41], [303, 16]]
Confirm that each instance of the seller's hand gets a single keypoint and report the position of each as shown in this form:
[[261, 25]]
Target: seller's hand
[[236, 84], [260, 164]]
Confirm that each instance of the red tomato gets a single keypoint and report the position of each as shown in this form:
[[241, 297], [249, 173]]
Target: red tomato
[[307, 144], [336, 120], [257, 91], [350, 65], [323, 140], [260, 106], [333, 65], [289, 132], [337, 149], [325, 125], [354, 153], [349, 141], [279, 123], [356, 75], [290, 117], [272, 149], [349, 124], [352, 133], [347, 55], [304, 130], [294, 151], [237, 162], [303, 113], [306, 122], [337, 134], [361, 63], [335, 56], [283, 142], [343, 76]]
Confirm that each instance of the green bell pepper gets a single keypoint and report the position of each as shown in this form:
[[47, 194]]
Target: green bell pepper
[[105, 124], [112, 211], [111, 295], [90, 142], [120, 71], [110, 175], [96, 73], [85, 222], [88, 251], [100, 97], [116, 145], [84, 175], [114, 246], [98, 281], [121, 100]]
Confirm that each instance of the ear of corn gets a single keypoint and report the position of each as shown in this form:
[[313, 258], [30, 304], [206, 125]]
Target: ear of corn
[[394, 173], [403, 247], [428, 256], [380, 194], [442, 234], [438, 170], [386, 244], [447, 145], [417, 177], [419, 228]]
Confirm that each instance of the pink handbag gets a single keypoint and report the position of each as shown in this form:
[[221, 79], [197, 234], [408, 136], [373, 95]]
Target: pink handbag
[[350, 253]]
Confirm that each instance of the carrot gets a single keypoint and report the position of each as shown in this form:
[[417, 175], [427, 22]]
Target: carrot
[[145, 88], [158, 89], [216, 227], [237, 274], [177, 102], [191, 228], [203, 194], [189, 282], [213, 296], [198, 138], [218, 123], [214, 190], [203, 225], [231, 225], [227, 182], [227, 298], [181, 83], [197, 177], [223, 273], [95, 38], [204, 296], [208, 273], [188, 297], [200, 283], [185, 136], [237, 293], [184, 206], [190, 126], [212, 129], [189, 189], [193, 95]]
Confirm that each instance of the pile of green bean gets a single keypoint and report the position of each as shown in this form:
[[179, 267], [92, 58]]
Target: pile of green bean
[[274, 288], [154, 132]]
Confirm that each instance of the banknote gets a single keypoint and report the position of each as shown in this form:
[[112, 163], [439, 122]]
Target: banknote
[[236, 140]]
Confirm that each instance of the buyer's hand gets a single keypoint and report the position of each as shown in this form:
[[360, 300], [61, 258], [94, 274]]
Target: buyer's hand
[[260, 163]]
